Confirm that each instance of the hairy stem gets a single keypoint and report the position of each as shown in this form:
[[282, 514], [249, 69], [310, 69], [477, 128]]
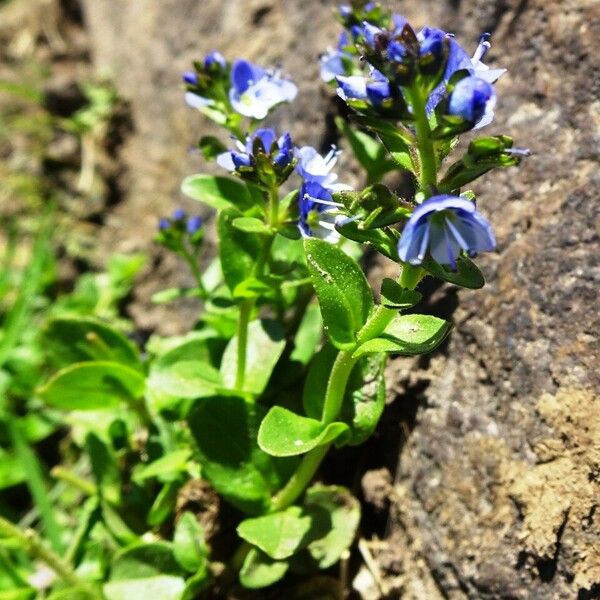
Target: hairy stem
[[34, 546], [425, 148], [334, 397], [247, 306], [242, 342]]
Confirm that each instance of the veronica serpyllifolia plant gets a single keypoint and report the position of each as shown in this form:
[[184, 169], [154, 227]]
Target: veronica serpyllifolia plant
[[286, 361]]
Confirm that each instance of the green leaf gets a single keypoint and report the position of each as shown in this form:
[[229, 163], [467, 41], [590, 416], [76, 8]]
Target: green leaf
[[74, 593], [251, 225], [264, 347], [284, 433], [393, 295], [277, 534], [399, 150], [369, 152], [11, 470], [259, 570], [344, 295], [382, 240], [165, 587], [467, 273], [252, 287], [166, 468], [116, 526], [144, 560], [211, 147], [164, 503], [92, 386], [315, 384], [224, 429], [364, 399], [396, 141], [374, 207], [308, 335], [220, 193], [105, 469], [30, 594], [483, 155], [237, 249], [197, 583], [69, 340], [184, 372], [408, 335], [336, 518], [188, 544]]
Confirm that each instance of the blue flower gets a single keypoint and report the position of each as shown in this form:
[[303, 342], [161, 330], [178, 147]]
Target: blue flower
[[445, 225], [163, 224], [312, 166], [265, 140], [458, 60], [179, 214], [334, 62], [255, 91], [318, 212], [375, 89], [474, 100]]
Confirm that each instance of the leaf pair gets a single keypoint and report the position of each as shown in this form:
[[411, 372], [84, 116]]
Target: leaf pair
[[300, 538]]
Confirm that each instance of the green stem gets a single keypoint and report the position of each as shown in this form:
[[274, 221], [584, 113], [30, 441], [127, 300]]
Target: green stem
[[427, 159], [242, 342], [195, 269], [336, 386], [334, 397], [74, 480], [300, 478], [34, 546], [247, 306]]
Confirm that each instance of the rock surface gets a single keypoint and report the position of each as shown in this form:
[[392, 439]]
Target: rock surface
[[497, 491]]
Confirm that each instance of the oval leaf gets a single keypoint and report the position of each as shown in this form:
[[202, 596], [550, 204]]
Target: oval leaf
[[259, 571], [69, 340], [251, 225], [224, 429], [336, 518], [237, 249], [284, 433], [344, 295], [188, 543], [408, 335], [165, 587], [218, 192], [92, 386], [278, 534], [467, 273]]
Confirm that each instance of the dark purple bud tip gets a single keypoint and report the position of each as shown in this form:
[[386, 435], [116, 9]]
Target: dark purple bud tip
[[179, 214], [190, 78], [194, 224], [214, 58]]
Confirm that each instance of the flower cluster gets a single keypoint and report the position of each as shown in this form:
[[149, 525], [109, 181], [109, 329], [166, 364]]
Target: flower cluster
[[264, 159], [399, 58], [175, 231], [243, 88]]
